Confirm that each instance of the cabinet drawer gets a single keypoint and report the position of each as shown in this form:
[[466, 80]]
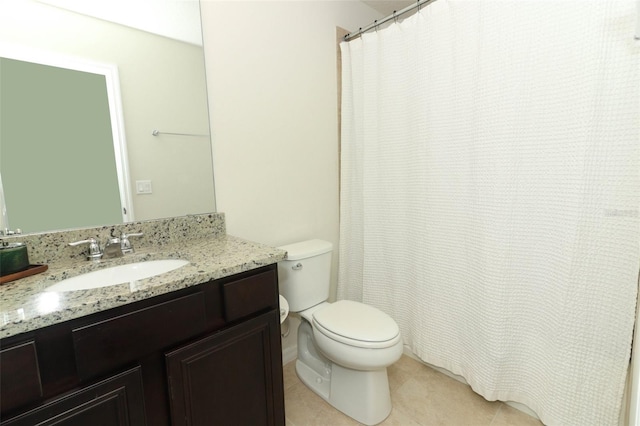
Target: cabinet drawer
[[250, 295], [117, 400], [103, 346], [20, 382]]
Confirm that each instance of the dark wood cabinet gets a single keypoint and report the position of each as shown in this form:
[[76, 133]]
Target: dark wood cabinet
[[19, 375], [116, 401], [226, 378], [208, 354]]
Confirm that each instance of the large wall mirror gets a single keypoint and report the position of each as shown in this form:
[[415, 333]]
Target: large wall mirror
[[103, 113]]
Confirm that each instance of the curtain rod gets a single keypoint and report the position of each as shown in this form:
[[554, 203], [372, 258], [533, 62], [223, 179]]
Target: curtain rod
[[379, 22]]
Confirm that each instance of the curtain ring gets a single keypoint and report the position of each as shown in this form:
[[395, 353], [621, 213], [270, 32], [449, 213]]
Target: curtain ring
[[395, 18], [419, 5], [375, 25]]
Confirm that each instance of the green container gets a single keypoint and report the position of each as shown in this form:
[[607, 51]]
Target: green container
[[13, 258]]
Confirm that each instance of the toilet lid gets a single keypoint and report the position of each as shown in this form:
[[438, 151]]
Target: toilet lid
[[356, 321]]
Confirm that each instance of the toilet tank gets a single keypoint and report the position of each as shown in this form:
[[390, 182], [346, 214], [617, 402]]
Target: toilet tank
[[305, 276]]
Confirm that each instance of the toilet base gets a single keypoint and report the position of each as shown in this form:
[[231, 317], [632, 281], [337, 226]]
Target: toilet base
[[361, 395]]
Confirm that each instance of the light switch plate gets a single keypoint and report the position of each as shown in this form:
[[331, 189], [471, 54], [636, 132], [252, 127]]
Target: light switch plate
[[143, 187]]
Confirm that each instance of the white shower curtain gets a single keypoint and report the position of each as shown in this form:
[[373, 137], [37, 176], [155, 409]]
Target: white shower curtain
[[489, 195]]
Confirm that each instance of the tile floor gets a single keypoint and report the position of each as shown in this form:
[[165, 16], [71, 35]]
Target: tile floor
[[420, 396]]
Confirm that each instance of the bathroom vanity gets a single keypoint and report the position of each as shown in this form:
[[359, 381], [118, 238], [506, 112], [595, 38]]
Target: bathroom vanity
[[196, 346]]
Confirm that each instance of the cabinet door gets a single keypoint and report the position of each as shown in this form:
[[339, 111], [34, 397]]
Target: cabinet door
[[20, 383], [233, 377], [116, 401]]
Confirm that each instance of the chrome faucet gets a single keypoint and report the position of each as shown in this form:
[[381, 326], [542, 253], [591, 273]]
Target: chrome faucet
[[115, 247], [125, 244], [93, 252], [7, 232]]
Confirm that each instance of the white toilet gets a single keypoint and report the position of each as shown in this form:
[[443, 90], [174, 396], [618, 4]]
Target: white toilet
[[344, 348]]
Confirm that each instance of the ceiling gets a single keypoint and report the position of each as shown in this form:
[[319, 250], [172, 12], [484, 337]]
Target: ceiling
[[386, 7], [169, 18]]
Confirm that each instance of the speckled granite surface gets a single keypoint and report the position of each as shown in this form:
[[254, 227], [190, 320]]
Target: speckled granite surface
[[53, 247], [26, 304]]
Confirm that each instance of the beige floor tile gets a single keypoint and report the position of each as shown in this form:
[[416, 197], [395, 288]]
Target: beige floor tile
[[398, 417], [443, 401], [509, 416], [408, 364], [404, 369], [289, 375], [303, 407], [420, 395]]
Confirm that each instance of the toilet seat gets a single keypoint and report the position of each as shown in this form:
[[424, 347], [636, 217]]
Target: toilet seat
[[356, 324]]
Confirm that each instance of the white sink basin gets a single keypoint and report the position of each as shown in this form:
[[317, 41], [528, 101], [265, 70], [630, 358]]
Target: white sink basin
[[118, 275]]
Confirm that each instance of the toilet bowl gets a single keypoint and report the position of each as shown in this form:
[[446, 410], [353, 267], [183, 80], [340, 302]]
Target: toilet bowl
[[355, 335], [344, 348]]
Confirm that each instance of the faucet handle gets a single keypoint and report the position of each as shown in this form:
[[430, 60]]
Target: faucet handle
[[125, 244], [93, 252], [8, 232]]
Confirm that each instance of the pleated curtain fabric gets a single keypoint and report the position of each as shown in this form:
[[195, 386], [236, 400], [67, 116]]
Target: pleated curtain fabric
[[490, 188]]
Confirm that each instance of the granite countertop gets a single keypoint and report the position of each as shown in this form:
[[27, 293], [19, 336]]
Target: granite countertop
[[26, 305]]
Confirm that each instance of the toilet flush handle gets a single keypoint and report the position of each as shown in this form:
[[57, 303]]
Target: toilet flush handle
[[297, 266]]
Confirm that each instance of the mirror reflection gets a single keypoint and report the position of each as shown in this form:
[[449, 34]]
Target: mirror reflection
[[148, 156]]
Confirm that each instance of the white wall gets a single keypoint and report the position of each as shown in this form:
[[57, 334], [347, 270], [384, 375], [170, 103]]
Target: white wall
[[272, 83], [271, 75]]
